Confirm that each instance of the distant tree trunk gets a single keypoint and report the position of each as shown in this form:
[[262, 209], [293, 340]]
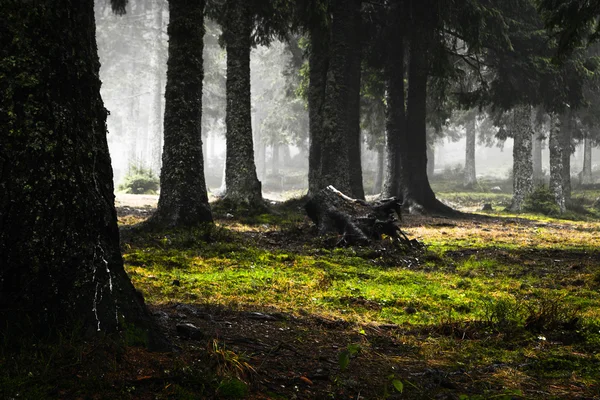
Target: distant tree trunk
[[319, 65], [430, 159], [242, 184], [275, 159], [522, 156], [417, 193], [335, 161], [586, 172], [565, 143], [395, 117], [556, 167], [380, 149], [353, 108], [183, 199], [538, 174], [157, 138], [61, 266], [470, 174]]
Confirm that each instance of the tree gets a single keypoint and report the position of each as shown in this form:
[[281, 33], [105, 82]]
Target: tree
[[521, 124], [334, 94], [245, 24], [556, 159], [183, 199], [59, 241]]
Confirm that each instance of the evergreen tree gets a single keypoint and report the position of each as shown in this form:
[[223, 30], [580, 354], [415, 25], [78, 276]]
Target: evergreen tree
[[183, 199], [61, 264]]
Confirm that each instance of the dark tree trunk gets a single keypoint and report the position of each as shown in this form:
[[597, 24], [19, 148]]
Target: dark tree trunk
[[61, 265], [241, 182], [470, 172], [319, 65], [565, 143], [335, 161], [183, 199], [538, 174], [417, 193], [586, 172], [522, 160], [556, 167], [395, 118], [353, 108]]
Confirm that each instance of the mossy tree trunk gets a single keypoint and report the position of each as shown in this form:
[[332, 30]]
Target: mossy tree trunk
[[556, 167], [522, 156], [60, 265], [183, 199], [241, 182]]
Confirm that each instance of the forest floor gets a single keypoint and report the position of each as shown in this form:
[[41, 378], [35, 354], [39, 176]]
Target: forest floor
[[258, 307]]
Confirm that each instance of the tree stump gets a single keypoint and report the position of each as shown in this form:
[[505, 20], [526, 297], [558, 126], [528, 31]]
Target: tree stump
[[357, 221]]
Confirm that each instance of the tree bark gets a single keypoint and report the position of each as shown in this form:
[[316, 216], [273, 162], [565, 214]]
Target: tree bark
[[241, 181], [470, 178], [335, 157], [586, 172], [430, 159], [556, 167], [61, 266], [183, 199], [522, 156]]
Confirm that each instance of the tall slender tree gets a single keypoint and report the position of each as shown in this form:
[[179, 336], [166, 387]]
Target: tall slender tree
[[61, 264], [183, 199], [245, 24]]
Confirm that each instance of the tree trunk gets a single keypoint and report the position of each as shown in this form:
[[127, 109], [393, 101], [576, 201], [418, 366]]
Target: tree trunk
[[183, 199], [556, 167], [522, 160], [586, 172], [395, 118], [353, 106], [319, 65], [470, 174], [275, 159], [417, 193], [241, 181], [565, 143], [61, 266], [335, 161], [538, 174]]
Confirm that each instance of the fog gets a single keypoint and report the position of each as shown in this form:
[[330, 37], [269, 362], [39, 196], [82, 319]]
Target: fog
[[133, 54]]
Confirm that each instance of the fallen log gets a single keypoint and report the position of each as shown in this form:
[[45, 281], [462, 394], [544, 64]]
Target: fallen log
[[357, 221]]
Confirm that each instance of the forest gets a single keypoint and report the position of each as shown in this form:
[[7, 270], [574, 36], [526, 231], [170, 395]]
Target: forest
[[300, 199]]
